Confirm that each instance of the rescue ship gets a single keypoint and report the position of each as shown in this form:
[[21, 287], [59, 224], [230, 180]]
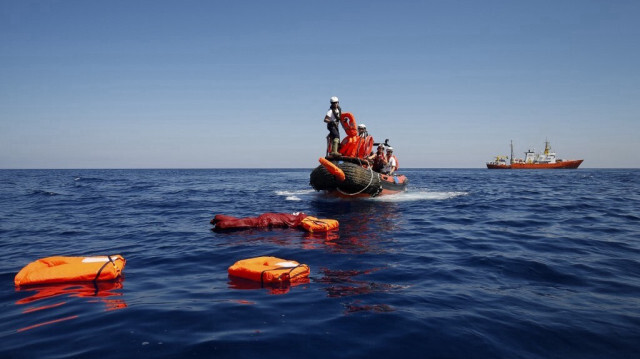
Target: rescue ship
[[348, 173], [532, 160]]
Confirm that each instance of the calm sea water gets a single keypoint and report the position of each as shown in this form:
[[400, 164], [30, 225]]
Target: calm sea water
[[466, 264]]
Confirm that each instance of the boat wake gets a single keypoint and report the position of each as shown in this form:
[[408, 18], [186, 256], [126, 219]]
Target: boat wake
[[420, 195], [297, 195], [409, 196]]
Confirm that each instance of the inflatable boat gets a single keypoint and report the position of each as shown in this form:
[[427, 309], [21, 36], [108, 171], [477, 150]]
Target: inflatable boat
[[349, 177], [347, 173]]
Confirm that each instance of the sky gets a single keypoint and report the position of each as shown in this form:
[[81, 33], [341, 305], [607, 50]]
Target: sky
[[245, 84]]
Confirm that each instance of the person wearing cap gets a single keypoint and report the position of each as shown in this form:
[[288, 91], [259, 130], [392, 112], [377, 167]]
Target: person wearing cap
[[332, 119], [392, 162], [379, 159]]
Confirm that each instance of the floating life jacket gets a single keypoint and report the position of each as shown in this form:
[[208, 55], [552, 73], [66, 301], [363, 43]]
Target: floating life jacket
[[270, 270], [71, 269], [313, 224], [265, 220]]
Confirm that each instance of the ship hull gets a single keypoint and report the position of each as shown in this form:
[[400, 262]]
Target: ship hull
[[573, 164]]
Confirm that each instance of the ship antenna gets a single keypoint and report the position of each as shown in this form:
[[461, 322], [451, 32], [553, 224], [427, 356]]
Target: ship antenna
[[511, 161]]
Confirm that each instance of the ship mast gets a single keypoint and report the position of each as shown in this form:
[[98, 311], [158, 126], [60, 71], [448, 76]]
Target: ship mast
[[547, 148], [511, 160]]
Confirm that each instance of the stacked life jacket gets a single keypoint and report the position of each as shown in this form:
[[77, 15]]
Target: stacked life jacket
[[354, 145]]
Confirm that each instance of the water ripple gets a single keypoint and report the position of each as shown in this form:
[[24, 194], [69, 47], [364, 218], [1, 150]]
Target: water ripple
[[466, 264]]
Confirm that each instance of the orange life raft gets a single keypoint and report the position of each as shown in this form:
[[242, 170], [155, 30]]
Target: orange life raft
[[270, 270], [71, 269]]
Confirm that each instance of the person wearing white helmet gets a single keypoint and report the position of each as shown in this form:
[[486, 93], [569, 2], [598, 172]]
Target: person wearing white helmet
[[332, 119], [392, 162], [362, 130]]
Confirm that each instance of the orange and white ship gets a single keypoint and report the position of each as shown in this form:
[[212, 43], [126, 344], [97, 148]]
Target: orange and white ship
[[532, 160]]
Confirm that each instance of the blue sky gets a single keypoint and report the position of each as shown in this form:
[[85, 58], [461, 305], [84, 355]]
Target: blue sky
[[212, 84]]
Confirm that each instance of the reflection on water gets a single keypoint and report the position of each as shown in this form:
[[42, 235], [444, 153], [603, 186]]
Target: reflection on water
[[341, 284], [272, 288], [284, 237], [357, 307], [100, 292]]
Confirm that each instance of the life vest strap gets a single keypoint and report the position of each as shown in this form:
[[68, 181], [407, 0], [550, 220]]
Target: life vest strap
[[280, 268], [104, 265]]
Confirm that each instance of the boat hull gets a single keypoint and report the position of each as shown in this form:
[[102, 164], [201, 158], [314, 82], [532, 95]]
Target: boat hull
[[359, 181], [573, 164]]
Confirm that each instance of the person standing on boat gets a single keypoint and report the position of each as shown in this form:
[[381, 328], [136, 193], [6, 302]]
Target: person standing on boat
[[392, 162], [332, 119]]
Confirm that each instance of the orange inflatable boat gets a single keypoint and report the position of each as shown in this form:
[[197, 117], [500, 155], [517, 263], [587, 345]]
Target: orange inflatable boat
[[71, 269], [269, 270]]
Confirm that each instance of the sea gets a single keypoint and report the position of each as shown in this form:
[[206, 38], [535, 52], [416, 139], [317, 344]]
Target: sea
[[468, 263]]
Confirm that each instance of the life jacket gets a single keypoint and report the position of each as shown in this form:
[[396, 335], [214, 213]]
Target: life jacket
[[349, 124], [365, 145], [378, 163], [275, 220], [333, 169], [269, 270], [265, 220], [349, 146], [71, 269], [313, 224]]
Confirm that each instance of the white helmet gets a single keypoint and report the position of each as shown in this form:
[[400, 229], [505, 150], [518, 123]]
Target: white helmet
[[362, 125], [334, 99], [390, 149]]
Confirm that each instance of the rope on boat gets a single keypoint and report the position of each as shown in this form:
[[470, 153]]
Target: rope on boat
[[362, 190]]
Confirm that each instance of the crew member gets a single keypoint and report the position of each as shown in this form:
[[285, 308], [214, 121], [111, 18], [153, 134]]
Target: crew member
[[379, 159], [332, 120], [392, 162], [362, 131]]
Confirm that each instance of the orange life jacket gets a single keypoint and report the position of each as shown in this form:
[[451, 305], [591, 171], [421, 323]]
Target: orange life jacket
[[71, 269], [365, 145], [349, 146], [349, 124], [313, 224], [333, 169], [269, 270]]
